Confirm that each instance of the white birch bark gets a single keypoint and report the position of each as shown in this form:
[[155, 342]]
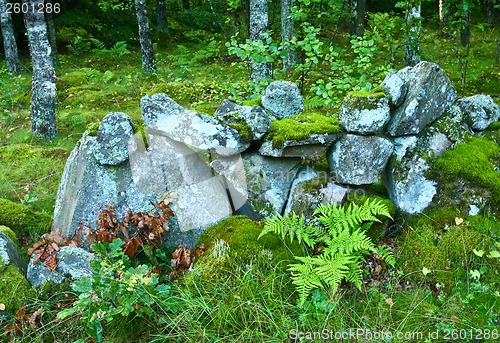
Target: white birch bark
[[9, 41]]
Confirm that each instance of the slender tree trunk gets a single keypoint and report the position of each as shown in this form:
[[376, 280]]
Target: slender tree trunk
[[52, 36], [490, 11], [353, 14], [465, 31], [412, 47], [161, 17], [360, 19], [9, 41], [43, 86], [498, 50], [186, 5], [148, 55], [259, 22], [287, 34]]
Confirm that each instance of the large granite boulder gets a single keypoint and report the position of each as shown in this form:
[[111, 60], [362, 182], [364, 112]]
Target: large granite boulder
[[202, 132], [365, 112], [395, 88], [157, 107], [359, 160], [410, 189], [283, 99], [72, 263], [429, 95], [479, 111], [314, 146], [237, 116], [114, 132]]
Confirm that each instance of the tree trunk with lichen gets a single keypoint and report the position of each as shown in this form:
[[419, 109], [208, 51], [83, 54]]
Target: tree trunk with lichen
[[498, 51], [465, 30], [9, 41], [161, 17], [43, 85], [287, 34], [148, 55], [52, 36], [412, 47], [259, 22]]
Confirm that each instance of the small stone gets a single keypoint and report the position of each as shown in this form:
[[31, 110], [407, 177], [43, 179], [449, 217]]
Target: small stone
[[364, 112], [113, 135], [157, 107], [479, 111], [283, 99]]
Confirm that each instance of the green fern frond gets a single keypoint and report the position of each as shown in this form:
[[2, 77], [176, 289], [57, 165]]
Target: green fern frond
[[386, 255], [291, 225], [332, 269], [354, 275], [120, 49], [377, 208], [98, 44], [304, 277], [345, 242]]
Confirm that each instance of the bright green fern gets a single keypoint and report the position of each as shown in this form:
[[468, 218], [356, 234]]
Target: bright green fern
[[343, 238]]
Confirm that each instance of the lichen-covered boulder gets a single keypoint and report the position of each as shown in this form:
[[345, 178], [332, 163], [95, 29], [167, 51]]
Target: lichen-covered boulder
[[8, 250], [114, 132], [283, 99], [243, 118], [22, 219], [202, 132], [157, 107], [72, 262], [479, 111], [365, 112], [406, 177], [429, 95], [312, 188], [268, 180], [395, 88], [359, 160]]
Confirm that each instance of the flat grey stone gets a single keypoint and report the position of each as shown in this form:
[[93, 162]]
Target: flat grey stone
[[283, 99], [113, 135]]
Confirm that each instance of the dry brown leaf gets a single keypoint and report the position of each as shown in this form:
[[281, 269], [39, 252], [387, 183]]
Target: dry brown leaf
[[455, 318]]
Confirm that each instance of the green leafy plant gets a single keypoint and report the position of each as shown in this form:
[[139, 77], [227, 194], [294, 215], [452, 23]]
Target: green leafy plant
[[343, 241], [117, 289]]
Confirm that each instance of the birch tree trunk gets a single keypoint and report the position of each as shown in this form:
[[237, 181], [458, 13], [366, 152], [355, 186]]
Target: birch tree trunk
[[148, 55], [287, 34], [9, 41], [490, 11], [353, 14], [259, 22], [412, 48], [360, 19], [52, 36], [498, 51], [465, 30], [43, 86], [161, 17]]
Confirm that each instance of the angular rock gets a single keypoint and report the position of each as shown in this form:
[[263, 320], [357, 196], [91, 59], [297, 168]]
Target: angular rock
[[365, 113], [313, 146], [452, 124], [333, 194], [283, 99], [72, 262], [231, 172], [479, 111], [403, 144], [86, 186], [429, 95], [157, 107], [359, 160], [268, 180], [254, 116], [10, 255], [113, 135], [297, 194], [395, 87], [202, 132]]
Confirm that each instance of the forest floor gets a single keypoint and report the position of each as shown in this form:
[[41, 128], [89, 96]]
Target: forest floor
[[255, 305]]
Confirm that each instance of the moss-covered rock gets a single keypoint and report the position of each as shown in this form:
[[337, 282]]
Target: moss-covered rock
[[14, 288], [75, 78], [9, 233], [232, 245], [21, 219], [301, 126], [253, 102]]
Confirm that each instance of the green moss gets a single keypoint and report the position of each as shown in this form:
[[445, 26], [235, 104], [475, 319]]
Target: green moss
[[75, 78], [473, 161], [244, 130], [92, 128], [365, 99], [14, 288], [446, 253], [300, 127], [494, 126], [9, 233], [253, 102], [240, 234], [21, 219]]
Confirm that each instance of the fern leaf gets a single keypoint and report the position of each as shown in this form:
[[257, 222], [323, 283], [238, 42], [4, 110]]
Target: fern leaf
[[386, 255], [98, 44], [354, 275], [304, 277], [332, 269]]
